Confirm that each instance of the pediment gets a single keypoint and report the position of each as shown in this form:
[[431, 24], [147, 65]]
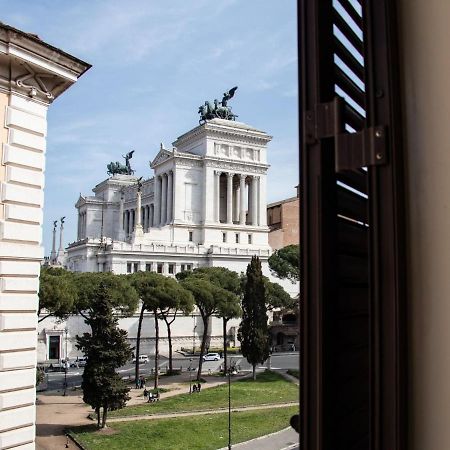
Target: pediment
[[163, 155], [81, 201]]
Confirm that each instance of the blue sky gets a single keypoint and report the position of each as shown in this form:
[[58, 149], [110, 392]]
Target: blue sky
[[154, 63]]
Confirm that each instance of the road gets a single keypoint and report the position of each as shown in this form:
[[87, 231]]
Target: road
[[277, 361]]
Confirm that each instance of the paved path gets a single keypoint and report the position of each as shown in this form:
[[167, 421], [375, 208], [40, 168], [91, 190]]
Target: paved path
[[281, 440], [199, 413]]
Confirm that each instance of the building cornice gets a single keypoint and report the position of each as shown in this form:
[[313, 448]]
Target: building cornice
[[35, 69], [224, 129]]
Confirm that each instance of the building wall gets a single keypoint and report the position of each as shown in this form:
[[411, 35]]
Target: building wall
[[283, 220], [425, 66], [23, 127]]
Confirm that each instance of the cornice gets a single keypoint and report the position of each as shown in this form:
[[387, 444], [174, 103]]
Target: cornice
[[35, 68], [238, 166], [218, 128]]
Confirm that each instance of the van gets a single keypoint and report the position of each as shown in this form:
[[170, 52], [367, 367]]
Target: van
[[142, 359]]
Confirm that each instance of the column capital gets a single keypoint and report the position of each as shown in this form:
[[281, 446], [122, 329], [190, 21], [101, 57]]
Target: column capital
[[242, 176], [230, 174]]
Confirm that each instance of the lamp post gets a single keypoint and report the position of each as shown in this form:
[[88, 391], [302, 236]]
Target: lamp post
[[231, 369], [190, 376], [66, 330]]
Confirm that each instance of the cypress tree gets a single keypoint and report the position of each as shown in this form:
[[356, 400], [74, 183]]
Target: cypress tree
[[253, 330], [106, 349]]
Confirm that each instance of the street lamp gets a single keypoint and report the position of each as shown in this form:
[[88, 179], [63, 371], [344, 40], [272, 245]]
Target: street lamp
[[231, 369], [66, 330], [190, 376]]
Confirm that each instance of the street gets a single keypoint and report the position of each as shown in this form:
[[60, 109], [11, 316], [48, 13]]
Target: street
[[289, 360]]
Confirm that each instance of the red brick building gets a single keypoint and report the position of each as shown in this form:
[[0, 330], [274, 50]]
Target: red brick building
[[283, 221]]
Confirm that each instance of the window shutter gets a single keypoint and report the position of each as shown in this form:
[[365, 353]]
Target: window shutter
[[352, 228]]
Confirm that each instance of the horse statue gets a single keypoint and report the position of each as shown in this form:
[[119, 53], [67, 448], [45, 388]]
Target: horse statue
[[118, 168], [217, 109]]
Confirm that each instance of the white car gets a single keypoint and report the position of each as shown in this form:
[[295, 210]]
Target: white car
[[142, 359], [211, 357], [79, 362]]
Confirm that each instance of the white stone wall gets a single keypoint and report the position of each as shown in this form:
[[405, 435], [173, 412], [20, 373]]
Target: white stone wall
[[183, 334], [23, 128]]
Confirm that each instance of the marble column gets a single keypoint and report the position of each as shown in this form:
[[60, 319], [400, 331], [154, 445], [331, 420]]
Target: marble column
[[157, 200], [255, 201], [138, 209], [164, 200], [235, 202], [217, 195], [169, 197], [230, 197], [152, 216], [121, 217], [53, 252], [138, 232], [242, 200]]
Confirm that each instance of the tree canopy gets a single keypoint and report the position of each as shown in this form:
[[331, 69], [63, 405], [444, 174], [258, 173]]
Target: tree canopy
[[285, 263], [57, 293], [122, 294], [159, 294]]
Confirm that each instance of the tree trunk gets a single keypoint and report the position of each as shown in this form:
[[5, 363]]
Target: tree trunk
[[105, 414], [224, 345], [97, 411], [138, 345], [202, 348], [156, 350], [254, 372]]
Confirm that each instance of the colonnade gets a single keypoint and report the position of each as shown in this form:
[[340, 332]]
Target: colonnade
[[163, 203], [237, 198], [156, 214], [129, 218], [82, 225]]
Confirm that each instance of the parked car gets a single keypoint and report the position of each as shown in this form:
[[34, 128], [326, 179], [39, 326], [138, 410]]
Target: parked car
[[142, 359], [211, 357], [79, 362]]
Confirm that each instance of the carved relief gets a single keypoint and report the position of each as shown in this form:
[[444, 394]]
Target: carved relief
[[34, 83], [236, 167]]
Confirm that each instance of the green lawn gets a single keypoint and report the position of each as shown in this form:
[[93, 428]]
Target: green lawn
[[206, 432], [269, 387]]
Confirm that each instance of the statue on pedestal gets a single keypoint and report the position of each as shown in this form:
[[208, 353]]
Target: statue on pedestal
[[117, 168], [217, 109]]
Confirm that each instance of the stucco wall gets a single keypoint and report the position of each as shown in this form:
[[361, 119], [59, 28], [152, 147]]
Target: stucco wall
[[425, 34]]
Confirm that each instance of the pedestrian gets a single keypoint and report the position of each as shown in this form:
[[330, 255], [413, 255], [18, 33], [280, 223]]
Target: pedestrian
[[145, 393], [199, 387], [194, 388]]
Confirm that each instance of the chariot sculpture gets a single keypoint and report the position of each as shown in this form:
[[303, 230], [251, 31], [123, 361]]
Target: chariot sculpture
[[216, 109], [118, 168]]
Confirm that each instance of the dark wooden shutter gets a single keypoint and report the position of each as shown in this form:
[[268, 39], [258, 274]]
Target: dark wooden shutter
[[352, 228]]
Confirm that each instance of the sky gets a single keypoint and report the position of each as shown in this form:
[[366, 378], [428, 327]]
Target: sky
[[153, 64]]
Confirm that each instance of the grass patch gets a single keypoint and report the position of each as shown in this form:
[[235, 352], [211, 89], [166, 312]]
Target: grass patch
[[294, 373], [269, 387], [206, 432]]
